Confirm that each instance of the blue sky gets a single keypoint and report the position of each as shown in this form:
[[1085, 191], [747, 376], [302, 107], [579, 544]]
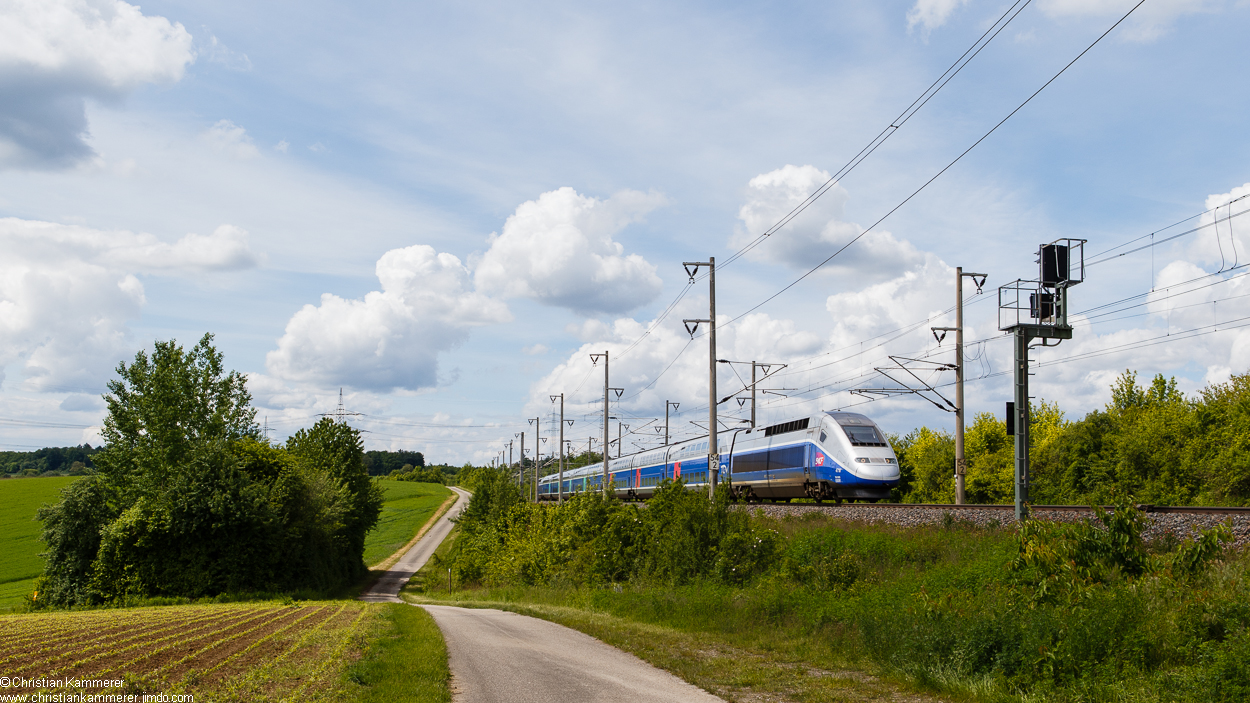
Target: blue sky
[[442, 210]]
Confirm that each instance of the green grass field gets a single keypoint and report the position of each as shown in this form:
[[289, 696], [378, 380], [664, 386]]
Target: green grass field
[[407, 506], [20, 562]]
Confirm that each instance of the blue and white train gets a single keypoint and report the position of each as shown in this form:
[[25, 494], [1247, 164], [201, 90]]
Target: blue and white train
[[829, 456]]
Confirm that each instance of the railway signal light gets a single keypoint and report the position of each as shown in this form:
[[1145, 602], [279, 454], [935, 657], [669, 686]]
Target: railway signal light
[[1036, 310]]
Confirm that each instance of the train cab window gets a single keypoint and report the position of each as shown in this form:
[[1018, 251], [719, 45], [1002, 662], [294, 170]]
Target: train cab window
[[823, 436], [864, 436]]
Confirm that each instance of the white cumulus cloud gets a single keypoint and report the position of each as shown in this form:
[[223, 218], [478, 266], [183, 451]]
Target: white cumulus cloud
[[923, 290], [389, 338], [559, 250], [68, 292], [667, 366], [818, 231], [56, 53], [931, 14], [232, 140], [1148, 22]]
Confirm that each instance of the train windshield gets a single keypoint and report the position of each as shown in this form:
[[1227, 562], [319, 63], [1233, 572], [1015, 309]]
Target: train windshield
[[864, 436]]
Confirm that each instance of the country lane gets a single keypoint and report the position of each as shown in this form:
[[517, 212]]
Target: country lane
[[386, 590], [497, 656]]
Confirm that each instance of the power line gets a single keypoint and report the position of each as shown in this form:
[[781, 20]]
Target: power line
[[949, 74], [1169, 296], [939, 173], [1164, 241], [48, 425]]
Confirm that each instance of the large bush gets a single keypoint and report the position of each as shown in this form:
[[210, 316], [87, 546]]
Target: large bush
[[679, 537], [189, 500]]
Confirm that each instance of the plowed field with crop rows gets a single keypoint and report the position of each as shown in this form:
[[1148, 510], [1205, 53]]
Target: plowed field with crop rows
[[225, 652]]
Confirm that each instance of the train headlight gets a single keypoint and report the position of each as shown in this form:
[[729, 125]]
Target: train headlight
[[862, 459]]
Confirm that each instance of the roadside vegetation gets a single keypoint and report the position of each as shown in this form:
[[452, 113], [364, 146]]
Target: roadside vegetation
[[1151, 442], [1050, 611], [406, 660]]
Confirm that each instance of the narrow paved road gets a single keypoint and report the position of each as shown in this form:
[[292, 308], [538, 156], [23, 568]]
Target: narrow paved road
[[386, 590], [506, 657]]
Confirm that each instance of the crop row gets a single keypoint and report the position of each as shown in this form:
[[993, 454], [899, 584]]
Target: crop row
[[149, 650], [55, 646], [219, 652], [18, 630]]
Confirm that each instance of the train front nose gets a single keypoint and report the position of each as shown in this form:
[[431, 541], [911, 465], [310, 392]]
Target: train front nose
[[876, 469]]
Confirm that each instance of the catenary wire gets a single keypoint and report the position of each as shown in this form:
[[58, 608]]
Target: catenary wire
[[956, 160]]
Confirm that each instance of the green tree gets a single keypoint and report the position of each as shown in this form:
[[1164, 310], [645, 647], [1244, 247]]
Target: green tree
[[161, 408], [1223, 420], [190, 501], [71, 530], [928, 459], [336, 449], [990, 453]]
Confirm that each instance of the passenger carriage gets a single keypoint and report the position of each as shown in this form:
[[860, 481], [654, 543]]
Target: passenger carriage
[[827, 456]]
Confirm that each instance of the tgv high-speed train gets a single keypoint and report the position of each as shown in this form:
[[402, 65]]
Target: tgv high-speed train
[[828, 456]]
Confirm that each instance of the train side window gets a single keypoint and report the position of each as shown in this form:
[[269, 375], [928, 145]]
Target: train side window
[[823, 436]]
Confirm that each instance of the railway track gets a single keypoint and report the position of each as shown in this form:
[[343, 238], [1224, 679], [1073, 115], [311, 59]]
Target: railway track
[[950, 507], [1178, 521]]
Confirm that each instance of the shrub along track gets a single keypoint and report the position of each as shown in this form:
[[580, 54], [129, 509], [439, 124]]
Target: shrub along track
[[217, 652]]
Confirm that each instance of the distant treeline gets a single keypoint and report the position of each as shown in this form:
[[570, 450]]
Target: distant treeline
[[429, 474], [1151, 443], [380, 463], [49, 461], [74, 461]]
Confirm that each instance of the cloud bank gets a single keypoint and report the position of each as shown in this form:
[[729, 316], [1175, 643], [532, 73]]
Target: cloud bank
[[557, 250], [67, 293], [54, 54], [390, 338]]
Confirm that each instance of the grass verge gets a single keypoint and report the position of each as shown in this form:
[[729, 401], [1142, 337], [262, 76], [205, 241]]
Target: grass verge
[[790, 667], [406, 661], [1049, 612]]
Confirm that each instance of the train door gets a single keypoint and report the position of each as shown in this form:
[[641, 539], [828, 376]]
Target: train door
[[764, 489], [786, 467]]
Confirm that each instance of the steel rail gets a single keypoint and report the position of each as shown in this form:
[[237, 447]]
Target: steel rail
[[1146, 508]]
